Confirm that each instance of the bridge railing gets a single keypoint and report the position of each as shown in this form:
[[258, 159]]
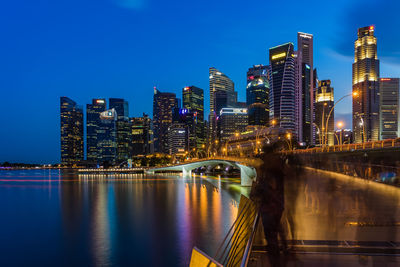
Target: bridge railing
[[235, 248], [365, 170], [388, 143], [254, 162]]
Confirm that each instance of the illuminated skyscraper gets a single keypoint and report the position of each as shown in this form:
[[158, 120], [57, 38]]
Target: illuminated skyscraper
[[163, 107], [366, 84], [222, 90], [305, 88], [389, 108], [177, 139], [189, 121], [107, 137], [193, 102], [324, 102], [92, 125], [124, 130], [220, 82], [231, 121], [142, 135], [257, 95], [71, 128], [282, 87]]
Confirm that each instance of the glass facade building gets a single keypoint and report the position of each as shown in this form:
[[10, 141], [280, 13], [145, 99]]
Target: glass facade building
[[366, 84], [282, 87], [142, 135], [389, 108], [92, 125], [123, 126], [257, 95], [222, 95], [305, 88], [324, 101], [163, 107], [193, 102], [177, 139], [107, 137], [71, 128], [231, 121]]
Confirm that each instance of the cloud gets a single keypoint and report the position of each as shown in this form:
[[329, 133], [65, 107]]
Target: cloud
[[132, 4]]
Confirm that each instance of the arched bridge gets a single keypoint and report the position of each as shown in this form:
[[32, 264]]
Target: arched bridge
[[247, 167]]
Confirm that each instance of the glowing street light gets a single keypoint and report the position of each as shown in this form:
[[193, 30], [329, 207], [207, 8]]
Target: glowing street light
[[340, 125], [289, 140], [353, 94]]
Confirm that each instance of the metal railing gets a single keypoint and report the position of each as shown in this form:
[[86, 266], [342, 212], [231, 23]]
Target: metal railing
[[388, 143], [249, 246], [235, 245], [368, 171]]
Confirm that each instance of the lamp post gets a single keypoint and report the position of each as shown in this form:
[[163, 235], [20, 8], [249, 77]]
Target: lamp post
[[363, 128], [289, 137], [354, 94], [319, 133], [340, 126]]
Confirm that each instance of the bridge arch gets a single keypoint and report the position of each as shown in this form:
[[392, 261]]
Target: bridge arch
[[248, 173]]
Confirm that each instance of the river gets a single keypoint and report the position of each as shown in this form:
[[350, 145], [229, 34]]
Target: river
[[60, 218]]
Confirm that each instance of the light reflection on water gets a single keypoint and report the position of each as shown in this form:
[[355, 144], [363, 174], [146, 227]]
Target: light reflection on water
[[111, 220]]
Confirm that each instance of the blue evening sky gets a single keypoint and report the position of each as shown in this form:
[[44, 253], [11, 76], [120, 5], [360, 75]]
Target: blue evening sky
[[86, 49]]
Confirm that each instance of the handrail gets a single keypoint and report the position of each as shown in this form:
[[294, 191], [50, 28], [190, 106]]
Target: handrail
[[387, 143], [238, 220], [247, 252]]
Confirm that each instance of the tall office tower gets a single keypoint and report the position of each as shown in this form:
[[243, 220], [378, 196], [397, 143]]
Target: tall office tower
[[92, 125], [71, 117], [163, 106], [220, 82], [257, 95], [124, 130], [142, 135], [366, 84], [222, 92], [189, 120], [193, 101], [231, 121], [389, 108], [107, 137], [177, 139], [282, 87], [305, 88], [324, 102]]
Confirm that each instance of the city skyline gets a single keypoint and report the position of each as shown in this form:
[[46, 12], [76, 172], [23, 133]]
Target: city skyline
[[40, 95]]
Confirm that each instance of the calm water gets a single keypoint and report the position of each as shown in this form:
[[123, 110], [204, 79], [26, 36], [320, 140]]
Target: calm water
[[51, 218]]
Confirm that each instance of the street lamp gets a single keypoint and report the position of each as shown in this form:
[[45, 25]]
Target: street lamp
[[289, 137], [363, 127], [340, 125], [273, 122], [354, 94], [319, 133]]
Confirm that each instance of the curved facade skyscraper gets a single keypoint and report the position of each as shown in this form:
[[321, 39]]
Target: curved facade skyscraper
[[257, 95], [222, 95], [283, 86], [220, 82], [366, 84]]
